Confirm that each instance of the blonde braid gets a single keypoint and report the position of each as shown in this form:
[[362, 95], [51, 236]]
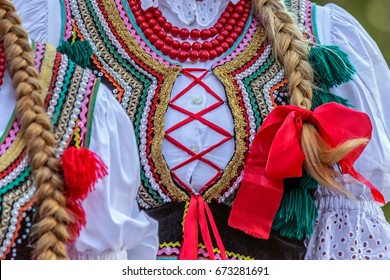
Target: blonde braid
[[291, 50], [50, 229]]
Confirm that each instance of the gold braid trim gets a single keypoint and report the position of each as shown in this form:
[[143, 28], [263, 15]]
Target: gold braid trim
[[159, 132], [68, 105], [223, 73], [45, 76], [258, 84], [12, 152], [116, 20], [105, 54]]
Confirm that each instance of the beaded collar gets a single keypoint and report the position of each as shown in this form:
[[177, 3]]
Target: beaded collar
[[191, 11]]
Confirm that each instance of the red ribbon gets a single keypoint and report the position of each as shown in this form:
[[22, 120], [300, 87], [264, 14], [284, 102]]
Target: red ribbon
[[197, 214], [276, 154]]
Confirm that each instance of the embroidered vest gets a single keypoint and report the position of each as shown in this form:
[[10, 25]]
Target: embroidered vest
[[141, 78], [69, 93]]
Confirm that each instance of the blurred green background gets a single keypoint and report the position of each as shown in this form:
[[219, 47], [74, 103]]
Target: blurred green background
[[374, 16]]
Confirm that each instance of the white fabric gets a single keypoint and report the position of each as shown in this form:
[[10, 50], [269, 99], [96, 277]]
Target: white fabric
[[7, 102], [42, 25], [190, 11], [367, 92], [348, 229], [114, 222]]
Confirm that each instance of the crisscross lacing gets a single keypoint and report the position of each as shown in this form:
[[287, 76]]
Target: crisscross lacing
[[199, 117]]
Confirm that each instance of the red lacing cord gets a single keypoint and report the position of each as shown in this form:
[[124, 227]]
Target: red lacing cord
[[198, 213]]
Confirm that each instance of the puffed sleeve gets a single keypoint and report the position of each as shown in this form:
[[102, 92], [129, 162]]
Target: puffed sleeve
[[42, 19], [116, 228], [356, 228], [368, 92]]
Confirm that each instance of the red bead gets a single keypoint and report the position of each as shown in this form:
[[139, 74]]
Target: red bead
[[236, 16], [218, 26], [182, 56], [206, 46], [240, 24], [228, 28], [137, 13], [133, 3], [222, 20], [214, 43], [157, 13], [167, 26], [196, 46], [165, 49], [161, 20], [231, 21], [225, 15], [213, 31], [225, 46], [213, 54], [204, 56], [176, 44], [143, 25], [238, 30], [239, 9], [234, 36], [175, 31], [185, 46], [153, 38], [184, 33], [139, 19], [229, 41], [205, 34], [148, 15], [156, 28], [159, 44], [172, 53], [220, 38], [195, 34], [152, 22], [162, 34], [224, 33], [168, 40], [193, 55], [148, 32], [244, 19], [229, 9]]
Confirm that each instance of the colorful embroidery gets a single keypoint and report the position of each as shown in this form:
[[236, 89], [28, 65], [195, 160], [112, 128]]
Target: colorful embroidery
[[142, 79], [68, 105]]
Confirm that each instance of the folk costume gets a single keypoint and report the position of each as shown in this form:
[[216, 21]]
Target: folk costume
[[200, 82]]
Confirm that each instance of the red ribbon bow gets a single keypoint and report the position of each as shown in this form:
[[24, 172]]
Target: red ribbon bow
[[276, 154]]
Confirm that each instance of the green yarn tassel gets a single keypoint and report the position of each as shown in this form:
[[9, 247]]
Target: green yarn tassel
[[320, 97], [297, 213], [331, 66], [79, 52]]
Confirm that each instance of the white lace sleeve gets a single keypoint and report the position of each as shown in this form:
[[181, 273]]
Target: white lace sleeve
[[116, 228], [41, 18], [347, 229]]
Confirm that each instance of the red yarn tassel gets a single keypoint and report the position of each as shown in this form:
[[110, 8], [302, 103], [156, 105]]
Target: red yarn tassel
[[82, 169]]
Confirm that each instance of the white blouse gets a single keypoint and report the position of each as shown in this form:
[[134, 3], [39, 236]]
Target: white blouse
[[339, 217]]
